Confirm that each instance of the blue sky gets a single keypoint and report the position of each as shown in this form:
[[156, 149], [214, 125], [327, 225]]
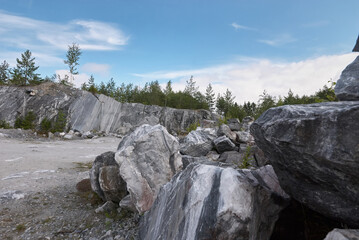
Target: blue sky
[[245, 45]]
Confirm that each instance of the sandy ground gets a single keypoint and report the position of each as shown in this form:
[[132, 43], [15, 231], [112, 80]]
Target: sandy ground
[[38, 195], [38, 165]]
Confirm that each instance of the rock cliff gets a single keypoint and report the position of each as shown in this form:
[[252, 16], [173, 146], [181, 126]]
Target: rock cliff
[[86, 111]]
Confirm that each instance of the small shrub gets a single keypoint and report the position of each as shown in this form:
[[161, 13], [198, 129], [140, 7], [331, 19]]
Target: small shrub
[[221, 121], [247, 158], [18, 122], [60, 122], [20, 228], [192, 126], [4, 124], [27, 122], [45, 125]]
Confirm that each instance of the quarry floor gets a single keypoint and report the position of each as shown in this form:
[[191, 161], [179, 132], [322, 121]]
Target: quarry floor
[[38, 195]]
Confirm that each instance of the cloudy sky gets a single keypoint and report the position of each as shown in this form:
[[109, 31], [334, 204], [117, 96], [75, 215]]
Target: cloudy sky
[[247, 46]]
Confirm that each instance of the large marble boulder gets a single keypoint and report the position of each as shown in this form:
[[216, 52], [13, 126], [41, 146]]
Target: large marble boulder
[[347, 87], [211, 202], [148, 158], [198, 143], [343, 234], [224, 130], [105, 178], [223, 144], [314, 151], [234, 124]]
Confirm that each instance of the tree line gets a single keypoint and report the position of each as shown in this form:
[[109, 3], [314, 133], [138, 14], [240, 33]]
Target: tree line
[[153, 94]]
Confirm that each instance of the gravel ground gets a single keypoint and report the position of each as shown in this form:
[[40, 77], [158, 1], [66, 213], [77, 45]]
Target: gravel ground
[[38, 194]]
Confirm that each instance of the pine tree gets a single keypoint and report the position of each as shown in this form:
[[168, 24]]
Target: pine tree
[[168, 92], [210, 97], [4, 73], [191, 88], [26, 68]]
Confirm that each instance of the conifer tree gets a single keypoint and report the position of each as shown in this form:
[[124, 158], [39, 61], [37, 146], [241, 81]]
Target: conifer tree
[[210, 97], [26, 68]]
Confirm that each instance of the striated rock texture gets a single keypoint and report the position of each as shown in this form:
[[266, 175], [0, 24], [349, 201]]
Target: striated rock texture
[[314, 149], [198, 143], [148, 158], [210, 202], [343, 234], [105, 178], [86, 111], [347, 87]]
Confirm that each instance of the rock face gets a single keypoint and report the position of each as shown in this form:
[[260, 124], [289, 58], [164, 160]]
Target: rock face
[[198, 143], [356, 47], [86, 111], [347, 87], [343, 234], [314, 151], [210, 202], [105, 178], [148, 158]]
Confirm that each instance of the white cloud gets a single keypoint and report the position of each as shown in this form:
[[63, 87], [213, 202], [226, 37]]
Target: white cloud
[[78, 79], [248, 80], [237, 27], [23, 32], [278, 40], [102, 69]]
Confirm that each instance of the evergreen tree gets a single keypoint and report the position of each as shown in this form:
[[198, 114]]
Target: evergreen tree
[[191, 88], [72, 60], [16, 77], [91, 87], [224, 103], [4, 73], [168, 92], [26, 68], [210, 97]]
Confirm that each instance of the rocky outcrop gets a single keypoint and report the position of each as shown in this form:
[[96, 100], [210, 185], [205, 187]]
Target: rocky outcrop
[[198, 143], [86, 111], [347, 87], [314, 151], [148, 158], [343, 234], [210, 202]]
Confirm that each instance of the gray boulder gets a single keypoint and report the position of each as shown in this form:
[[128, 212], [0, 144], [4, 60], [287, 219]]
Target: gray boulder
[[210, 202], [198, 143], [347, 87], [244, 137], [234, 124], [246, 123], [343, 234], [224, 144], [314, 151], [105, 178], [224, 130], [148, 158], [187, 160]]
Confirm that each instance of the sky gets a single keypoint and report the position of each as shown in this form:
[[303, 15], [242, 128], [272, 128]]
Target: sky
[[246, 46]]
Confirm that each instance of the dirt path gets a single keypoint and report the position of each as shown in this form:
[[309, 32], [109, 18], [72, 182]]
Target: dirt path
[[38, 193]]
